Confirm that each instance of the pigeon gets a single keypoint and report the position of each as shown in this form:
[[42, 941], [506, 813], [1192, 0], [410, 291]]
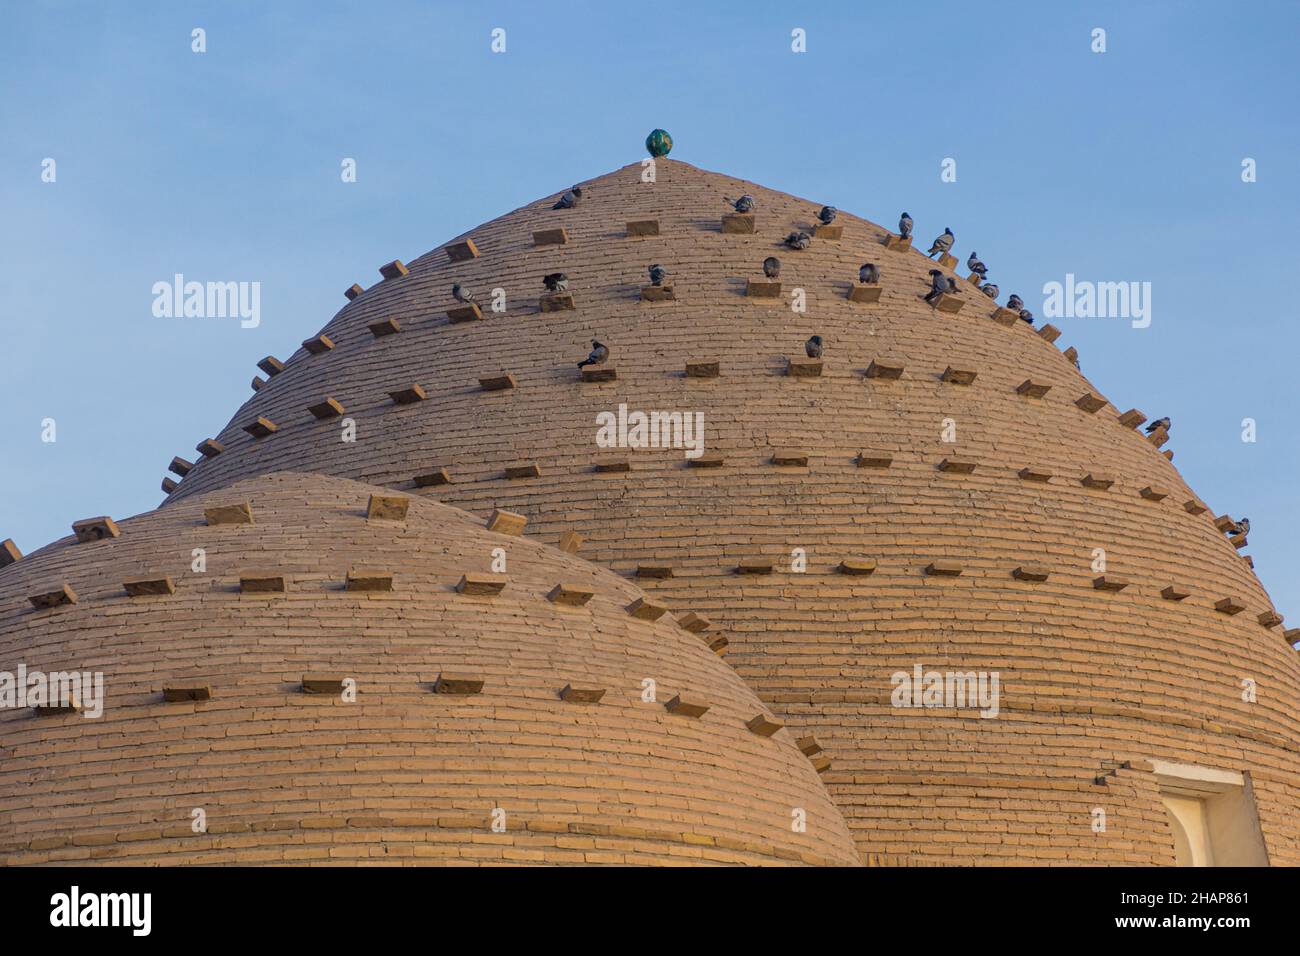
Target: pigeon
[[1241, 527], [1026, 316], [597, 357], [772, 267], [555, 282], [827, 215], [938, 285], [990, 290], [744, 204], [869, 274], [977, 267], [813, 347], [569, 199], [798, 240], [905, 226], [952, 284], [461, 294], [942, 244], [657, 275], [1158, 423], [1014, 302]]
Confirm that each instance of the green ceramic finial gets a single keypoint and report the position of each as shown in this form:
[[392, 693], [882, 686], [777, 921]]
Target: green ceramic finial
[[659, 143]]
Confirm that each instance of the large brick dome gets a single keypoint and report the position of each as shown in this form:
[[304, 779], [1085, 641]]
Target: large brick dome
[[886, 515], [460, 719]]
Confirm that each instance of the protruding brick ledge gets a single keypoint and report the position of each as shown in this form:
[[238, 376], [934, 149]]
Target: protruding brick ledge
[[408, 394], [857, 566], [506, 522], [551, 237], [1031, 389], [738, 223], [393, 270], [1132, 418], [885, 369], [234, 512], [645, 610], [1108, 582], [261, 427], [481, 585], [384, 327], [1028, 573], [318, 345], [387, 507], [325, 409], [569, 595], [763, 725], [183, 693], [261, 582], [581, 695], [686, 706], [368, 580], [459, 685], [461, 251], [322, 684], [58, 597], [149, 586], [90, 530]]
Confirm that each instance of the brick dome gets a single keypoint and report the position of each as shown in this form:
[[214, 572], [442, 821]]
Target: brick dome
[[460, 705], [974, 555]]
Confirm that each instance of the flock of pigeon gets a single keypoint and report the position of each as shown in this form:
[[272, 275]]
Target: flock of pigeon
[[868, 274]]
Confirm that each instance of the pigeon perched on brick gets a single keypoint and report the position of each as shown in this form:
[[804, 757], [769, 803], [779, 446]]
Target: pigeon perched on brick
[[938, 286], [942, 244], [990, 290], [1014, 302], [798, 240], [1158, 423], [461, 294], [977, 267], [772, 267], [813, 347], [657, 275], [952, 284], [744, 204], [827, 215], [569, 199], [905, 226], [598, 355], [1241, 527], [555, 282], [1026, 316], [869, 273]]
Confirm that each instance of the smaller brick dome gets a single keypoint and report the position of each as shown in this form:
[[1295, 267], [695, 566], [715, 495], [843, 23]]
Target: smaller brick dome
[[423, 763]]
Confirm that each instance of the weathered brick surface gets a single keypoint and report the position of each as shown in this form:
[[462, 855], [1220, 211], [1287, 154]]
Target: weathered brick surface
[[1089, 677], [402, 775]]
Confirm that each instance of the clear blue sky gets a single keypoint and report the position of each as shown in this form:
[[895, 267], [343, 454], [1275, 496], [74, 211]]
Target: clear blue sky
[[225, 165]]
